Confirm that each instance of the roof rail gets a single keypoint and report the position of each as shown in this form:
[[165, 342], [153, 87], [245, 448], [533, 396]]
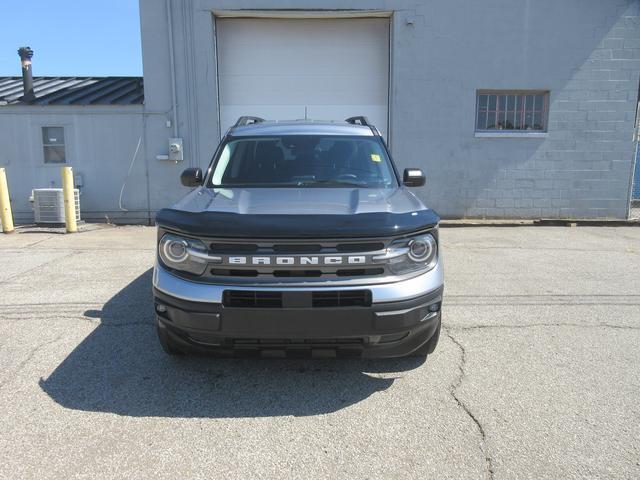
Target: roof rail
[[362, 120], [242, 121], [358, 120]]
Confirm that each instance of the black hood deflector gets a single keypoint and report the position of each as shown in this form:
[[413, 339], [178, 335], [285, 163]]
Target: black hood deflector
[[234, 225]]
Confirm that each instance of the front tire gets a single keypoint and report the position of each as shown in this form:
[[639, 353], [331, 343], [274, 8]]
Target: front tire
[[168, 345]]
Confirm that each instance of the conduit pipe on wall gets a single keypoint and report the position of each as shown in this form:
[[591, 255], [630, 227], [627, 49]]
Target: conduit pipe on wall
[[174, 97]]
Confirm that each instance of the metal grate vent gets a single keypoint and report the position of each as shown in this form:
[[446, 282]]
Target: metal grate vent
[[251, 299], [320, 299], [48, 205], [342, 298]]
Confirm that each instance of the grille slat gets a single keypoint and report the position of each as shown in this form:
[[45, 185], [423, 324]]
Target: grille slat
[[233, 248], [359, 247], [295, 342], [297, 273], [251, 299], [292, 248], [342, 298], [289, 248]]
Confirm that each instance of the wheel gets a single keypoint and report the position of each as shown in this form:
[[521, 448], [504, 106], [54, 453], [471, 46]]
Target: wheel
[[430, 346], [168, 345]]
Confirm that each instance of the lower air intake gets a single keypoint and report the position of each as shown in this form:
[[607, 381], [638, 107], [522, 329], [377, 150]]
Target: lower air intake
[[251, 299], [319, 299], [342, 298]]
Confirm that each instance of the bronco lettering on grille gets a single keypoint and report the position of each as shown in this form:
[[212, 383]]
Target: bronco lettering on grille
[[315, 260]]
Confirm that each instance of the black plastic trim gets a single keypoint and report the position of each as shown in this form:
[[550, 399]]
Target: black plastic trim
[[235, 225]]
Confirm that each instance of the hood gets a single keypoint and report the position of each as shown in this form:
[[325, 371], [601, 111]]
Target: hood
[[299, 201], [297, 213]]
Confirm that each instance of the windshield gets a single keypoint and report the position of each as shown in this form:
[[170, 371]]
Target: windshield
[[303, 161]]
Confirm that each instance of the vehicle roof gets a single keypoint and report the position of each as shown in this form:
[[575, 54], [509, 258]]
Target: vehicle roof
[[300, 127]]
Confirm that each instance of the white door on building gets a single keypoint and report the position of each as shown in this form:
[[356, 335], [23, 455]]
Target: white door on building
[[274, 68]]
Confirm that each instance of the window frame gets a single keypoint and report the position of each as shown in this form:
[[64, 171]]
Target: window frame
[[45, 145], [514, 133]]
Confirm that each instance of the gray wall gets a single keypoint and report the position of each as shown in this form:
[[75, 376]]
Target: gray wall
[[100, 143], [586, 52]]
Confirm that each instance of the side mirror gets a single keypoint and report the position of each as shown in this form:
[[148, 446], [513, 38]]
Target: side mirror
[[191, 177], [413, 177]]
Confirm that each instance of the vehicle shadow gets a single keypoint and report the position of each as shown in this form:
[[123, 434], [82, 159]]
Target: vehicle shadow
[[120, 368]]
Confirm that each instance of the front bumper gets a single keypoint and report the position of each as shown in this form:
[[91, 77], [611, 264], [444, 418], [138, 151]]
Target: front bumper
[[399, 321], [165, 282]]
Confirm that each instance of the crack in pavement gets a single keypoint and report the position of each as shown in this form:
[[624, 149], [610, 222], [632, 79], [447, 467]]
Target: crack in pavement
[[453, 389], [39, 241], [453, 392]]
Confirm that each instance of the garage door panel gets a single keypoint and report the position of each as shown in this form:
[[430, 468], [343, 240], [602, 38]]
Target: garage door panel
[[289, 90], [330, 31], [314, 61], [274, 68]]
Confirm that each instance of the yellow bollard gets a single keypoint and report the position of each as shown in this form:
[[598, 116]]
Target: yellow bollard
[[69, 200], [5, 204]]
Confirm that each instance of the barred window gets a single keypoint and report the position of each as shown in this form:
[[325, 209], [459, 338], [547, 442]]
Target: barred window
[[511, 110]]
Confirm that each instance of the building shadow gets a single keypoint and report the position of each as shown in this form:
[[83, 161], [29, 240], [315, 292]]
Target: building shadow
[[120, 368]]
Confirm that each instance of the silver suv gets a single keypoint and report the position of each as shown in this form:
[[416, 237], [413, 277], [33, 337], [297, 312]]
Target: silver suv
[[301, 238]]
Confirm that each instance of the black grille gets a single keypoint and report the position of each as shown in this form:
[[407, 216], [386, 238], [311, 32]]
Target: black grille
[[251, 299], [304, 248], [297, 273], [293, 342], [342, 298], [265, 299], [225, 272], [233, 248], [359, 247], [359, 272], [294, 248]]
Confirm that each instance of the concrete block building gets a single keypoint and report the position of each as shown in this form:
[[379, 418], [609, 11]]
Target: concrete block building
[[513, 109]]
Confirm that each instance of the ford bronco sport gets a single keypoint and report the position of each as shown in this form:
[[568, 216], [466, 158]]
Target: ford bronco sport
[[299, 239]]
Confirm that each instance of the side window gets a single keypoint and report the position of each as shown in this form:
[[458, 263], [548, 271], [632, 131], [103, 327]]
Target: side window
[[53, 145]]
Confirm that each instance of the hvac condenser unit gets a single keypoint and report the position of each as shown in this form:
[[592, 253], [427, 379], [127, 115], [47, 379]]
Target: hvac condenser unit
[[48, 205]]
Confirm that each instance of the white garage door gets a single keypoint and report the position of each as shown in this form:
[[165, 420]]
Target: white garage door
[[274, 68]]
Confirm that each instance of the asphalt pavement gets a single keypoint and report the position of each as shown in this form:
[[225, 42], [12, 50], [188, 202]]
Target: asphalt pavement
[[537, 374]]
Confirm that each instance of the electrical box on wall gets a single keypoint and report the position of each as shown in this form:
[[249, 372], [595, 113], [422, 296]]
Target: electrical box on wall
[[176, 153]]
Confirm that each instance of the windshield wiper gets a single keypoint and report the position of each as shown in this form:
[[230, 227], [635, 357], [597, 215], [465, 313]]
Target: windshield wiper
[[295, 184], [255, 185], [324, 183]]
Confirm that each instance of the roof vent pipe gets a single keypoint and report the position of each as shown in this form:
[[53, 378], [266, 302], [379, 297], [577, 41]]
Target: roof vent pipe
[[27, 76]]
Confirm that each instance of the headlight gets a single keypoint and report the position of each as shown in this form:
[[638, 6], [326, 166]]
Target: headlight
[[412, 254], [184, 254], [420, 249]]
